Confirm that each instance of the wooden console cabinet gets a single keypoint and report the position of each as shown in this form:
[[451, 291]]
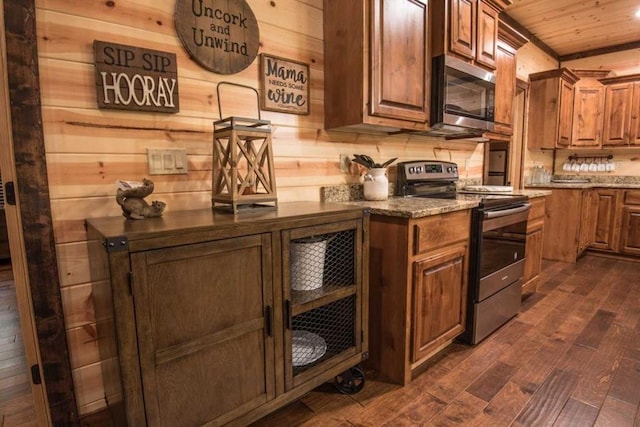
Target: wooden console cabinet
[[418, 289], [202, 317]]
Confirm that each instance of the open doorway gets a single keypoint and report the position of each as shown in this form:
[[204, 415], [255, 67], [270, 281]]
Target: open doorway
[[497, 158], [17, 404], [22, 402]]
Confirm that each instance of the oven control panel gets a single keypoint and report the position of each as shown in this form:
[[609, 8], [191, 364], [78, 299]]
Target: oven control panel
[[428, 170]]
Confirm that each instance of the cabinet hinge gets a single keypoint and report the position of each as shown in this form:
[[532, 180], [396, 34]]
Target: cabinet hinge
[[35, 374], [130, 276], [10, 193]]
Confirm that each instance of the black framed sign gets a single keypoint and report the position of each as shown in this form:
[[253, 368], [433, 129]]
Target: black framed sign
[[285, 85], [135, 78]]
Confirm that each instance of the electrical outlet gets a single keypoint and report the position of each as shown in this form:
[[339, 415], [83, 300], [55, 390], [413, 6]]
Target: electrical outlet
[[345, 163]]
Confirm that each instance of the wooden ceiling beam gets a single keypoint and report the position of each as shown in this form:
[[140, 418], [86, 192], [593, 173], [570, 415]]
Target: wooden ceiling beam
[[601, 51]]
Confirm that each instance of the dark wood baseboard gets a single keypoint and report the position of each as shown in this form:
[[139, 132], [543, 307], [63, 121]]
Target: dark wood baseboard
[[612, 255]]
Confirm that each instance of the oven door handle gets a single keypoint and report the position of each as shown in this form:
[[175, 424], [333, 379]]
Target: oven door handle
[[505, 212]]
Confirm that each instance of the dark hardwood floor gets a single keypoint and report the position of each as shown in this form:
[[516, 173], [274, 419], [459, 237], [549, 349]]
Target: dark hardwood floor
[[570, 358], [16, 401]]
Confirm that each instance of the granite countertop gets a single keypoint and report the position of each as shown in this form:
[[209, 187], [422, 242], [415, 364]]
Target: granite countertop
[[580, 185], [408, 207], [594, 181], [413, 207], [529, 192]]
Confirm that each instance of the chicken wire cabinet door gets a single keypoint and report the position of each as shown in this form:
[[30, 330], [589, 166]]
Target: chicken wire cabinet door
[[324, 307]]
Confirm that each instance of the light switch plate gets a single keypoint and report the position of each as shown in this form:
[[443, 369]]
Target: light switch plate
[[167, 161]]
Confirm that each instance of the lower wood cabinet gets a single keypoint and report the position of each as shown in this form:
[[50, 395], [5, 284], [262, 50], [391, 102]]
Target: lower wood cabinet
[[418, 289], [630, 243], [617, 228], [607, 231], [588, 218], [213, 318], [533, 248], [569, 223], [439, 300], [630, 223], [599, 219]]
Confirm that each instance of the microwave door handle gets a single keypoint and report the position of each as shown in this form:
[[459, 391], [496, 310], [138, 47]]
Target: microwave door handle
[[505, 212]]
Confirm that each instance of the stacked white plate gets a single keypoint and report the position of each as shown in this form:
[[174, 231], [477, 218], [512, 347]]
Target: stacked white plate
[[306, 347]]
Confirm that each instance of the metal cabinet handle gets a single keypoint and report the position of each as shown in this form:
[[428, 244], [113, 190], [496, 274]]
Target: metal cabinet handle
[[287, 313], [268, 320]]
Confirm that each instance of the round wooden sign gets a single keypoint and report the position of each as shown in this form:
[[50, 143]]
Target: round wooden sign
[[220, 35]]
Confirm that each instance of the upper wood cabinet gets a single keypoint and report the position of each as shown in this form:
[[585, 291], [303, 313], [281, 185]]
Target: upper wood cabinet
[[377, 65], [621, 111], [551, 108], [462, 27], [588, 109], [471, 31], [583, 109], [487, 35], [634, 133], [509, 41]]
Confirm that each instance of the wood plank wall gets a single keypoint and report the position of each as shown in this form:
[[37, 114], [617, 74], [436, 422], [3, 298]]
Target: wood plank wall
[[88, 149]]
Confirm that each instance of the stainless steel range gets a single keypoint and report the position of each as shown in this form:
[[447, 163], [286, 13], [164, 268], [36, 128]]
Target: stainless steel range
[[498, 232]]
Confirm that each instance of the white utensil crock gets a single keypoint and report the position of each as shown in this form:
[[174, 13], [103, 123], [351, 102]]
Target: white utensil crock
[[376, 184]]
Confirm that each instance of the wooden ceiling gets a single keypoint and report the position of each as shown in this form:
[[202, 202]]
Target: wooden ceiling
[[578, 28]]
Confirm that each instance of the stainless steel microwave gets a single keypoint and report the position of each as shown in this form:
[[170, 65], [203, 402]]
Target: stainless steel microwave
[[463, 98]]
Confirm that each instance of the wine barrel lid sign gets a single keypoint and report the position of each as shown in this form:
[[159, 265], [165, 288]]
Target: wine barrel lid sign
[[220, 35], [134, 78]]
